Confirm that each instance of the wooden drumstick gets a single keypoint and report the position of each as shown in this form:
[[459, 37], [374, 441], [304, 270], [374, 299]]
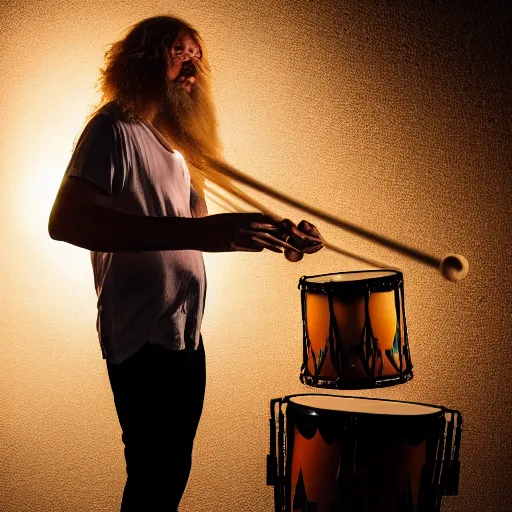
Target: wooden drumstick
[[292, 256], [453, 267]]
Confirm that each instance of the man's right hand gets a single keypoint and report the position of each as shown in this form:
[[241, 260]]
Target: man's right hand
[[250, 232]]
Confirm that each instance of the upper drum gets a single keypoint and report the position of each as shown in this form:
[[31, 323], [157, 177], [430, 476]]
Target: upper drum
[[354, 330]]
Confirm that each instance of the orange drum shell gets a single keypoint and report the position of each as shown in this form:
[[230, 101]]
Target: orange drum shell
[[363, 338], [390, 456]]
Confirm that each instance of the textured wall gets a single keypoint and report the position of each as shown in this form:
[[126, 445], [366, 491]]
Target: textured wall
[[394, 115]]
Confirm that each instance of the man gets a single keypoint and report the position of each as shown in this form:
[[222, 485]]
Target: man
[[128, 197]]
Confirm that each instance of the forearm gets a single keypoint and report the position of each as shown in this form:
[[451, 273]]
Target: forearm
[[104, 230]]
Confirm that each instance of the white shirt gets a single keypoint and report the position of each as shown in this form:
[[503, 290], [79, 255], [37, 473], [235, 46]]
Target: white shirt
[[143, 296]]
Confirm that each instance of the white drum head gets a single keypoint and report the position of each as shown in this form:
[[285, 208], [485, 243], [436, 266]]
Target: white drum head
[[363, 406], [350, 276]]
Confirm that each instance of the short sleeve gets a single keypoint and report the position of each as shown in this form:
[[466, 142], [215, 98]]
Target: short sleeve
[[96, 157]]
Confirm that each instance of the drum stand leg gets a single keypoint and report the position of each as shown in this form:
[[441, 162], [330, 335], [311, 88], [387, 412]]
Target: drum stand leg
[[275, 460]]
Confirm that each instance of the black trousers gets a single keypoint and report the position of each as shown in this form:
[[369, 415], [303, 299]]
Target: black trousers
[[159, 396]]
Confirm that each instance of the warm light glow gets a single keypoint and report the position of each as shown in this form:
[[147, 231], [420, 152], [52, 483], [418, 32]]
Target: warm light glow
[[393, 119], [35, 191]]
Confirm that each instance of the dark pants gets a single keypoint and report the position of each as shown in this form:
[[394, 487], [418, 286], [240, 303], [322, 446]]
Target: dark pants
[[158, 395]]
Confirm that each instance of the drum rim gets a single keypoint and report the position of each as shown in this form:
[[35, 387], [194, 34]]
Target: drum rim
[[356, 383], [395, 277], [438, 410]]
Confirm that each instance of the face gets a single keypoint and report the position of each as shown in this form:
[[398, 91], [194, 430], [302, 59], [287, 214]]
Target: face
[[185, 52], [184, 110]]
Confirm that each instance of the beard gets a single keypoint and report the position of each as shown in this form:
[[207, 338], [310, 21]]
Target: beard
[[187, 119], [180, 109], [188, 122]]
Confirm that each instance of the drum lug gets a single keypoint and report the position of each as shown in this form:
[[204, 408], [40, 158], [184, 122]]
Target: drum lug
[[271, 470], [452, 479]]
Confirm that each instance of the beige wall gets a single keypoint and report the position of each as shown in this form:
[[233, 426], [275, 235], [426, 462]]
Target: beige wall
[[394, 119]]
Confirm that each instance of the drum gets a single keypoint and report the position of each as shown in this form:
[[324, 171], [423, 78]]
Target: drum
[[354, 330], [346, 454]]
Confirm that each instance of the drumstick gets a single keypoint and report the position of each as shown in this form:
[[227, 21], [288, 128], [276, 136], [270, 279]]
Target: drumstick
[[453, 267], [240, 194]]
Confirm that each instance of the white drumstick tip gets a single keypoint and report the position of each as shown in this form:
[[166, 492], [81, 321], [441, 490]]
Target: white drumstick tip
[[454, 267]]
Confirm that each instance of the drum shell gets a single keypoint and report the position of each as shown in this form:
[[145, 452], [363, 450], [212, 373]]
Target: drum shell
[[354, 332], [353, 461]]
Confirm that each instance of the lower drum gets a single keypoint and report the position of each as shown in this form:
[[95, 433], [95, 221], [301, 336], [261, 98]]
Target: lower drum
[[344, 454]]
